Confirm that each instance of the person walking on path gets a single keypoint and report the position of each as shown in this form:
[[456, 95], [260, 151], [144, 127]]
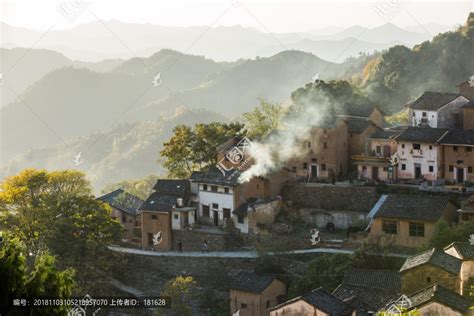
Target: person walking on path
[[205, 247]]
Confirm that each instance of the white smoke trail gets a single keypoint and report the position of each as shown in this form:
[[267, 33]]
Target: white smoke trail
[[279, 147]]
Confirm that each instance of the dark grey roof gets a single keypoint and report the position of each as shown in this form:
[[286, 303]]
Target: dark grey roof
[[176, 187], [412, 206], [369, 290], [441, 295], [465, 249], [327, 303], [421, 134], [215, 176], [458, 137], [123, 201], [436, 258], [432, 101], [167, 191], [360, 110], [385, 134], [357, 124], [252, 282], [242, 209], [470, 104]]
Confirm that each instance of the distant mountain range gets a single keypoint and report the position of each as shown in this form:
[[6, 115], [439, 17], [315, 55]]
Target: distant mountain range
[[94, 42]]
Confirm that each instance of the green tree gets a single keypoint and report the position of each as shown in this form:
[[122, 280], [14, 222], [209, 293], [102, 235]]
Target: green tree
[[56, 211], [263, 119], [195, 149], [182, 291], [41, 279], [446, 234]]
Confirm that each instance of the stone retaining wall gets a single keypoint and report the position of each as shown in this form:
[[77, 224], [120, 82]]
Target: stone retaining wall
[[194, 240]]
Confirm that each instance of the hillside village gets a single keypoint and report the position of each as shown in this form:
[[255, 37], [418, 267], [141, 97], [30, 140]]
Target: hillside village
[[356, 180]]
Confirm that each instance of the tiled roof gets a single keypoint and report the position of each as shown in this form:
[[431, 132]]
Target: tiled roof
[[464, 249], [432, 101], [360, 110], [252, 282], [415, 207], [385, 134], [327, 303], [242, 209], [123, 201], [434, 257], [458, 137], [357, 124], [215, 176], [176, 187], [422, 134], [369, 290], [441, 295], [164, 199], [470, 104]]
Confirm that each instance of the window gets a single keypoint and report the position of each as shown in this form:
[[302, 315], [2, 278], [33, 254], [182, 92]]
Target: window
[[423, 114], [204, 187], [451, 168], [205, 210], [215, 205], [243, 305], [417, 146], [378, 149], [124, 218], [213, 188], [323, 167], [268, 304], [430, 168], [469, 169], [226, 190], [431, 147], [385, 169], [314, 160], [325, 145], [417, 229], [468, 149], [309, 144], [150, 239], [305, 165], [403, 145], [293, 169], [389, 227], [428, 280], [413, 114], [364, 168], [226, 213], [455, 148], [176, 216], [404, 167], [240, 219], [154, 217]]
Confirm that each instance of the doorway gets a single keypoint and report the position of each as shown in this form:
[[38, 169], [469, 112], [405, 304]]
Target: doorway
[[314, 171], [375, 173], [216, 218], [460, 175], [417, 171]]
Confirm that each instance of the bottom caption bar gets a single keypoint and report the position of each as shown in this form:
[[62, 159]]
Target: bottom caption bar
[[98, 302]]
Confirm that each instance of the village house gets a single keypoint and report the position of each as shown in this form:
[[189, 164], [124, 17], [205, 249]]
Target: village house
[[164, 210], [317, 302], [468, 116], [466, 89], [223, 197], [125, 209], [437, 110], [376, 163], [419, 154], [458, 151], [330, 146], [367, 290], [435, 299], [466, 212], [465, 252], [254, 295], [430, 267], [409, 220]]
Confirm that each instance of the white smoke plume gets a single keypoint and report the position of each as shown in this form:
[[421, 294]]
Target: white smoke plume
[[281, 146]]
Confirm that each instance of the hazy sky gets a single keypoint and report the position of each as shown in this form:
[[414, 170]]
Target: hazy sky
[[273, 15]]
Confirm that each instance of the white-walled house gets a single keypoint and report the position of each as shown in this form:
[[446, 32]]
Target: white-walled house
[[437, 110], [419, 153]]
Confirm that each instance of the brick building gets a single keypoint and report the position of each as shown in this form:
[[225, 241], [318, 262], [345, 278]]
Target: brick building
[[458, 156]]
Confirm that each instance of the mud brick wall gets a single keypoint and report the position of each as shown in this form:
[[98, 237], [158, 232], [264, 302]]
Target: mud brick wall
[[193, 240], [329, 197]]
